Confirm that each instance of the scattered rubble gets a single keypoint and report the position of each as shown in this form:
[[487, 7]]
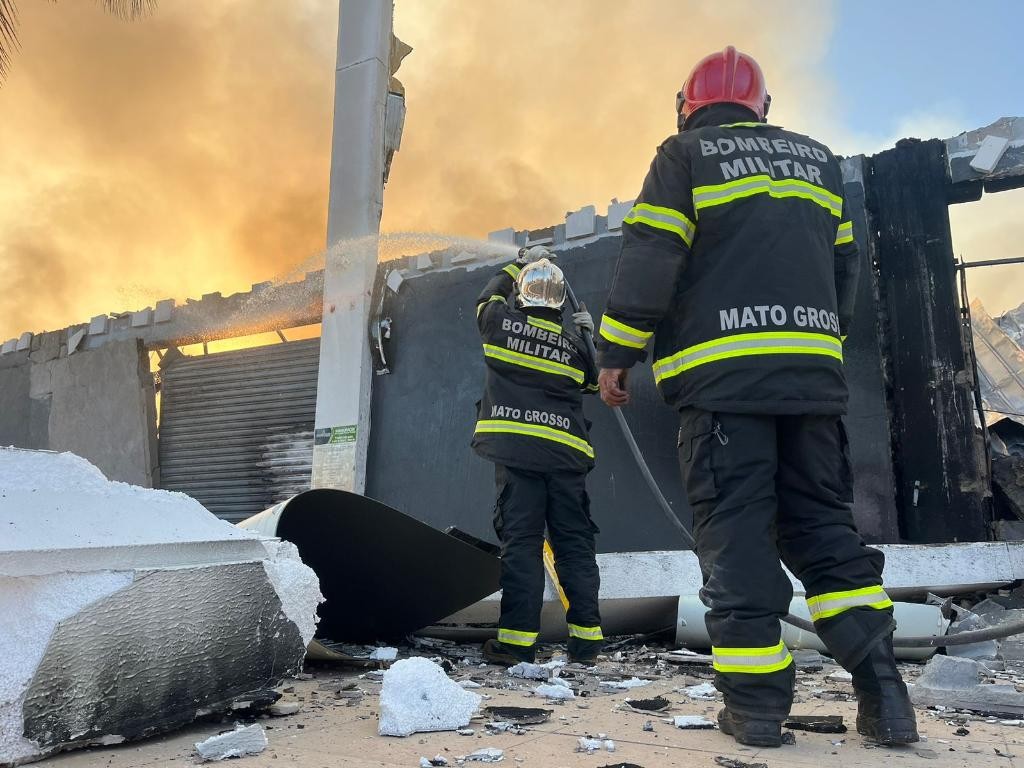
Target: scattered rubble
[[729, 762], [417, 696], [702, 692], [692, 723], [434, 762], [284, 708], [528, 671], [815, 723], [645, 706], [960, 683], [485, 755], [520, 715], [625, 685], [243, 740], [556, 689]]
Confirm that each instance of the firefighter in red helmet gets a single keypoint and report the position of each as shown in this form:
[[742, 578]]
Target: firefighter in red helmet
[[739, 262]]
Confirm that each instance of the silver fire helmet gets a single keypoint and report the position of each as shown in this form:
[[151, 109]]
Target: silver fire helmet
[[541, 284]]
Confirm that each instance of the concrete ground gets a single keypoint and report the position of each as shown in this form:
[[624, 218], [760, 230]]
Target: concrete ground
[[338, 727]]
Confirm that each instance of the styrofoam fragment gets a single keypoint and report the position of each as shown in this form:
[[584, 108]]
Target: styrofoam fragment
[[625, 685], [528, 671], [395, 280], [691, 722], [417, 696], [384, 654], [989, 154], [554, 691], [244, 740], [24, 341], [702, 692], [584, 744], [486, 755]]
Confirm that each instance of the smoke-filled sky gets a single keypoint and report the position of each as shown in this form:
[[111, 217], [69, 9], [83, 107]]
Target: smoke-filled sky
[[189, 152]]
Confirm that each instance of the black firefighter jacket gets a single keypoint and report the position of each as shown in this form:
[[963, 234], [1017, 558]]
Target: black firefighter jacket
[[531, 414], [739, 258]]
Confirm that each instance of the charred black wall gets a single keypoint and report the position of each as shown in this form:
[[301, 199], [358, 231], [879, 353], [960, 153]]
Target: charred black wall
[[424, 410], [942, 482]]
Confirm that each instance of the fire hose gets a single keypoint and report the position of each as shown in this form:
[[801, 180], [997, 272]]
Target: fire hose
[[1001, 630]]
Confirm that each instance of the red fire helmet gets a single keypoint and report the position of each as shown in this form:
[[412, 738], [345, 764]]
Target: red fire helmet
[[729, 77]]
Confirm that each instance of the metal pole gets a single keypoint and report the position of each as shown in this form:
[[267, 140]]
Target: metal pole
[[962, 265], [353, 222]]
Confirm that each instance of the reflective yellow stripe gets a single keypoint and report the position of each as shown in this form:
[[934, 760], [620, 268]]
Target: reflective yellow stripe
[[485, 426], [718, 194], [482, 304], [746, 344], [747, 125], [512, 270], [547, 325], [753, 661], [844, 233], [585, 633], [535, 363], [619, 333], [549, 566], [659, 217], [593, 388], [514, 637], [833, 603]]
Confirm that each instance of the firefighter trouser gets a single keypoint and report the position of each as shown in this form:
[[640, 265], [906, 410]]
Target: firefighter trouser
[[764, 488], [527, 501]]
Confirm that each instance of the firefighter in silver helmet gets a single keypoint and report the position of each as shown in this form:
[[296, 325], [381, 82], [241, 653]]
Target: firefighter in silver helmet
[[531, 426]]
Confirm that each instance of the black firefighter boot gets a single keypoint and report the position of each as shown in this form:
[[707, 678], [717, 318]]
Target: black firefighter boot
[[506, 655], [884, 712], [747, 730]]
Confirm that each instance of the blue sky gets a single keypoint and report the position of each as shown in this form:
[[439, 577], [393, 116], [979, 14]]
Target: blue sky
[[936, 56]]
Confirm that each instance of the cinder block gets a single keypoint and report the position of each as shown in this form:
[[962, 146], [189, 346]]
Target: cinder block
[[580, 223], [98, 325], [463, 257], [424, 262], [617, 212], [395, 280], [24, 342], [504, 236], [142, 318], [989, 154], [8, 346], [74, 339], [162, 313]]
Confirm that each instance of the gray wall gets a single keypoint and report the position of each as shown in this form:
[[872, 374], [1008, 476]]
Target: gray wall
[[99, 404], [423, 415]]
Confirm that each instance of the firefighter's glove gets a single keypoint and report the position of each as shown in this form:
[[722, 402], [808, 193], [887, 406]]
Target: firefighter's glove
[[583, 321], [536, 253]]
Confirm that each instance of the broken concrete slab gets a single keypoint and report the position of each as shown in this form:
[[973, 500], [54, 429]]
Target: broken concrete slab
[[242, 741], [86, 616], [959, 683], [417, 697]]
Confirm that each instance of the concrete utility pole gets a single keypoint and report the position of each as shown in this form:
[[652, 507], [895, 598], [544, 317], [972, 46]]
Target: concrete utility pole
[[354, 210]]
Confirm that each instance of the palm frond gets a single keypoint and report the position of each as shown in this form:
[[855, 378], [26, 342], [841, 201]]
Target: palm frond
[[8, 34], [128, 10]]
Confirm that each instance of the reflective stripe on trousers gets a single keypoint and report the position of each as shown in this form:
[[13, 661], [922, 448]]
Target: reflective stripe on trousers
[[752, 661], [833, 603], [515, 637], [585, 633]]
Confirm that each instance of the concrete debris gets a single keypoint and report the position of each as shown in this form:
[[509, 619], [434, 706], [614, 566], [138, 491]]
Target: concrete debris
[[692, 723], [465, 732], [842, 676], [384, 654], [809, 660], [417, 696], [284, 708], [529, 671], [485, 755], [816, 723], [520, 715], [90, 567], [729, 762], [243, 740], [438, 760], [702, 692], [950, 681]]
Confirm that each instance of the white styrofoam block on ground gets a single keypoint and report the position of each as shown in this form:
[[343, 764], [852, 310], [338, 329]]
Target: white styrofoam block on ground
[[581, 223], [24, 341], [989, 154], [417, 696], [244, 740], [528, 671], [554, 691]]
